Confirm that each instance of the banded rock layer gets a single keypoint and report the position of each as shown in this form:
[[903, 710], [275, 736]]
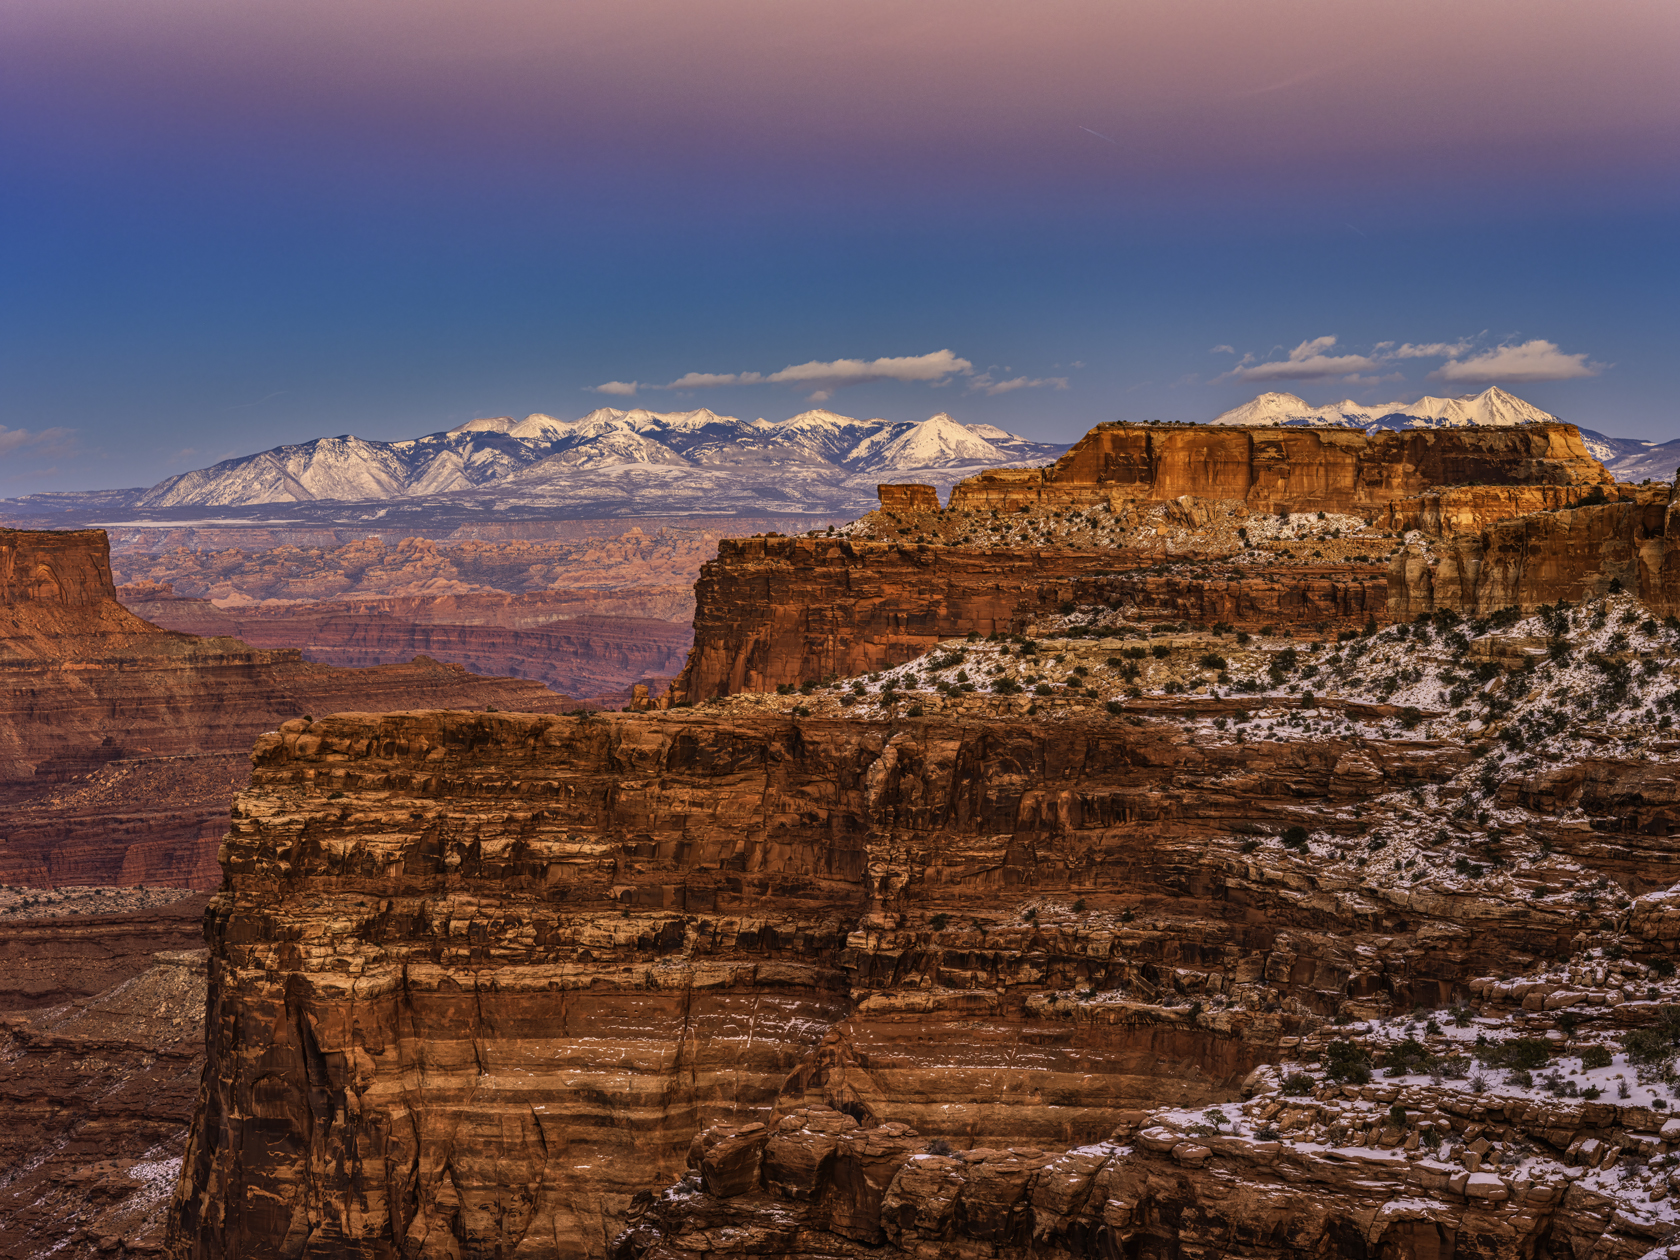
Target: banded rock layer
[[479, 979], [117, 738], [1297, 470], [575, 653]]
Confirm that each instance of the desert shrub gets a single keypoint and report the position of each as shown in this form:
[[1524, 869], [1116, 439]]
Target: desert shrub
[[1344, 1061], [1596, 1057], [1519, 1052], [1406, 1058], [1297, 1083]]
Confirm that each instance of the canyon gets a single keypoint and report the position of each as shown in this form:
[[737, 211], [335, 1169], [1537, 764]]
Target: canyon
[[588, 609], [121, 743], [1119, 876]]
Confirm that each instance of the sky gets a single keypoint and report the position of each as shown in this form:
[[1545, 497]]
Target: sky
[[224, 227]]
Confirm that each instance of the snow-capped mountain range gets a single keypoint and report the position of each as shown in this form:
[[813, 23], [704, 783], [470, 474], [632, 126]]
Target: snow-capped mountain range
[[1492, 406], [616, 460], [1628, 459]]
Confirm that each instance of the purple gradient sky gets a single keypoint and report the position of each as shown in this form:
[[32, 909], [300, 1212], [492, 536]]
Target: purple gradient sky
[[229, 226]]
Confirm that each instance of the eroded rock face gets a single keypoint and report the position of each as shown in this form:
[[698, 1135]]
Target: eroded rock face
[[1274, 469], [1574, 554], [101, 1050], [1324, 595], [785, 610], [823, 1189], [1455, 509], [479, 979], [121, 743]]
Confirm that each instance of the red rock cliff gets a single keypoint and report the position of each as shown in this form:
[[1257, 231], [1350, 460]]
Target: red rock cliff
[[1338, 470], [160, 720], [785, 610], [477, 980]]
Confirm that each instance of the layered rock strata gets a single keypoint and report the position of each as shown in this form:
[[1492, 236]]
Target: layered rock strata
[[775, 611], [1573, 554], [1278, 469], [477, 980], [578, 654], [93, 698], [813, 1183], [1323, 597]]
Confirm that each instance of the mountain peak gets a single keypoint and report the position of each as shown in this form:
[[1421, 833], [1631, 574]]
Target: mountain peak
[[1493, 406]]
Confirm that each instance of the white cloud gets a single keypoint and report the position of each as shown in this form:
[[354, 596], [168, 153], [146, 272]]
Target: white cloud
[[701, 380], [623, 388], [986, 384], [826, 377], [43, 442], [1315, 360], [1431, 350], [1306, 362], [1531, 361], [1223, 350]]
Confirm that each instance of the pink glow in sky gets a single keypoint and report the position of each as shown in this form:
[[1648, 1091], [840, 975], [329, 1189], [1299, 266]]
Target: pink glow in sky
[[875, 96]]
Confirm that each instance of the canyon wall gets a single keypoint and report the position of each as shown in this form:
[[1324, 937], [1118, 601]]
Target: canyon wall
[[772, 611], [1574, 554], [1322, 598], [548, 637], [478, 980], [121, 743], [1274, 469]]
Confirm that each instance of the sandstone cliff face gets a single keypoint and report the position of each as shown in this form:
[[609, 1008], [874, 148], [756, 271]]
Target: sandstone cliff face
[[1456, 509], [1295, 469], [1324, 596], [1573, 554], [478, 979], [784, 610], [89, 689], [814, 1184]]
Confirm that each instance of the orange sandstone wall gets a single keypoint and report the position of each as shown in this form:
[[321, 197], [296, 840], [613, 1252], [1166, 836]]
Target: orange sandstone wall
[[784, 610], [1340, 470]]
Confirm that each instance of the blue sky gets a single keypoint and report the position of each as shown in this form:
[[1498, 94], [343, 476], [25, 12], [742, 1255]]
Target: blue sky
[[228, 227]]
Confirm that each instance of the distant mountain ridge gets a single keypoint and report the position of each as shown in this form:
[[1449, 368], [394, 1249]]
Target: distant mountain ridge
[[612, 462], [1628, 459], [616, 462], [1493, 406], [541, 452]]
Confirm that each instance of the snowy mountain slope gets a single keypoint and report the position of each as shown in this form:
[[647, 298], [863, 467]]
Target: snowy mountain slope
[[812, 457], [1493, 406], [938, 442], [1634, 459]]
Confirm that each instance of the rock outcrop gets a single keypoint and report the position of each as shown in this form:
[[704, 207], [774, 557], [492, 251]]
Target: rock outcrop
[[775, 611], [815, 1184], [1277, 469], [89, 689], [1574, 554], [1322, 597], [478, 979]]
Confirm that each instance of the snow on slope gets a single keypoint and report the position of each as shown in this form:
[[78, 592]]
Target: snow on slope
[[937, 442], [544, 458], [1493, 406]]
